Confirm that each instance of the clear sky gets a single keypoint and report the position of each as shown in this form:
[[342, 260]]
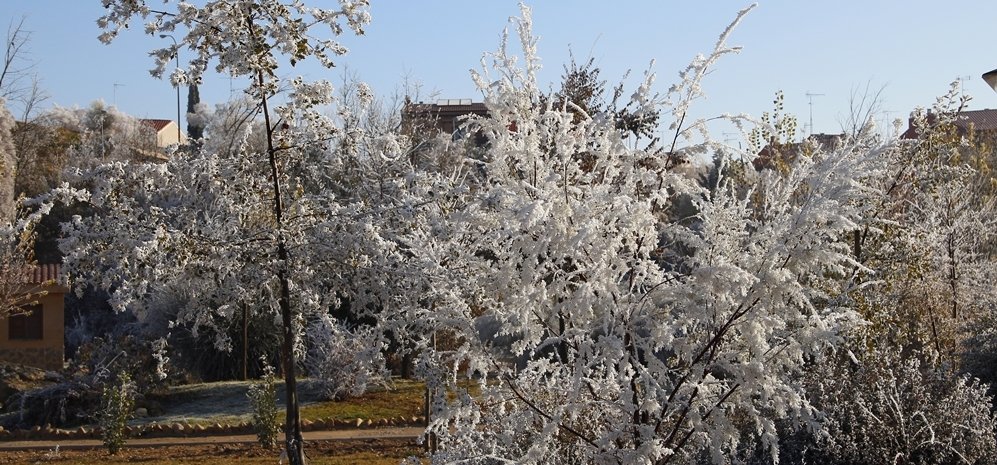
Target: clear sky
[[913, 49]]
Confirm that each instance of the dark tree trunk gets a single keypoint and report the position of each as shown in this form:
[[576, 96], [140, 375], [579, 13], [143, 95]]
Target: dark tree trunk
[[292, 427], [245, 342]]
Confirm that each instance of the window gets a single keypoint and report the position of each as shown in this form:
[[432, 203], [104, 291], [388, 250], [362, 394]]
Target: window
[[26, 326]]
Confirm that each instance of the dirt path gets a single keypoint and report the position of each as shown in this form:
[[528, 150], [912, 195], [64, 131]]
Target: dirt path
[[334, 435]]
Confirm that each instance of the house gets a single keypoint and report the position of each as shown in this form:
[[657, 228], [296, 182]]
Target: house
[[155, 136], [777, 155], [966, 122], [425, 123], [35, 338], [167, 132], [444, 116]]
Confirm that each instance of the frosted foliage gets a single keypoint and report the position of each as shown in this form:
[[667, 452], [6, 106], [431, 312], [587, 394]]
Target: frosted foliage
[[544, 271], [230, 125], [217, 31], [931, 238], [550, 285], [894, 410], [203, 223], [105, 134], [344, 361], [7, 164]]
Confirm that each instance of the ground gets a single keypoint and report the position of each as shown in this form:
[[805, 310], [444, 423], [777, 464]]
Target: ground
[[367, 451], [226, 402]]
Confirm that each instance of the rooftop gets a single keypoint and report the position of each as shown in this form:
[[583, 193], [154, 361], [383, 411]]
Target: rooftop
[[157, 124]]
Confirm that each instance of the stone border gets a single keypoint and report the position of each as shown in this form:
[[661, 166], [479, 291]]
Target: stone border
[[164, 430]]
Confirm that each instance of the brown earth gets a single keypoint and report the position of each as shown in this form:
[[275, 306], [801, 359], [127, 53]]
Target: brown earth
[[340, 452]]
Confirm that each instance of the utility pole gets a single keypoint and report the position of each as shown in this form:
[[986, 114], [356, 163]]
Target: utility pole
[[176, 53], [810, 101]]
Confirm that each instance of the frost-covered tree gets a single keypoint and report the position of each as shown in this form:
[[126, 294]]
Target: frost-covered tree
[[229, 224], [583, 92], [17, 233], [930, 239], [554, 285], [102, 134], [17, 263], [195, 129], [8, 164]]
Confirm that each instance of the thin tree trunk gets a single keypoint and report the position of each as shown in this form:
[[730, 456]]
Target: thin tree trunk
[[245, 342], [292, 427]]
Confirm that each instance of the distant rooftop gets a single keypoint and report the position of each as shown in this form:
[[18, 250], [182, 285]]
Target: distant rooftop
[[979, 120], [982, 120], [454, 101], [448, 107]]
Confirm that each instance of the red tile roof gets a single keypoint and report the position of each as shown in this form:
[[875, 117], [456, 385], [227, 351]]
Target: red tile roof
[[157, 124], [45, 273]]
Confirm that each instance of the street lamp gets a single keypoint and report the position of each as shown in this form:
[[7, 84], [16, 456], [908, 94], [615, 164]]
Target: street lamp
[[991, 78], [176, 53]]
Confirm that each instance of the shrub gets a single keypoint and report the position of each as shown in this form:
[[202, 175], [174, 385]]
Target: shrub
[[263, 397], [117, 403], [979, 350], [890, 408], [76, 396], [344, 362]]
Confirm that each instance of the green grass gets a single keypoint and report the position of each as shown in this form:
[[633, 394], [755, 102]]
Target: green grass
[[405, 400]]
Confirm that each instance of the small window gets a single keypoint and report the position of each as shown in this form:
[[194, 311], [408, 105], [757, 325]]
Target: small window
[[26, 326]]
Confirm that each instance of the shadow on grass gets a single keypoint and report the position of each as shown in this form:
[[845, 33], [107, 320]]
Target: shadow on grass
[[226, 402]]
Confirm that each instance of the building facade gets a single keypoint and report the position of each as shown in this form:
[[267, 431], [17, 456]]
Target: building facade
[[36, 337]]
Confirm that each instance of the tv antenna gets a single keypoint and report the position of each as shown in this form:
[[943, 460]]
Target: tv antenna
[[728, 138], [810, 101], [962, 84], [114, 94]]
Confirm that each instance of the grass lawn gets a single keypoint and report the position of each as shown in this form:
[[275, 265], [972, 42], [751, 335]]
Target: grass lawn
[[405, 400]]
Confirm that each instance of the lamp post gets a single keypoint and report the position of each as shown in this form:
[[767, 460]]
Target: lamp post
[[176, 53], [991, 78]]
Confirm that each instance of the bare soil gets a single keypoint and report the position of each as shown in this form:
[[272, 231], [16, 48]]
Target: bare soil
[[366, 451]]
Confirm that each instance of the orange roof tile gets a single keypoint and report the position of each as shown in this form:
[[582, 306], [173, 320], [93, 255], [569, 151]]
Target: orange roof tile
[[45, 273], [157, 124]]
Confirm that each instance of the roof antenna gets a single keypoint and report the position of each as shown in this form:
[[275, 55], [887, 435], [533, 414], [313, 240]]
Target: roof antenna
[[810, 100], [114, 94], [962, 85]]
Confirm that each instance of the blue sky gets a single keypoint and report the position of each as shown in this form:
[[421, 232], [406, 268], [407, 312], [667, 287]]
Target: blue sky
[[913, 49]]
